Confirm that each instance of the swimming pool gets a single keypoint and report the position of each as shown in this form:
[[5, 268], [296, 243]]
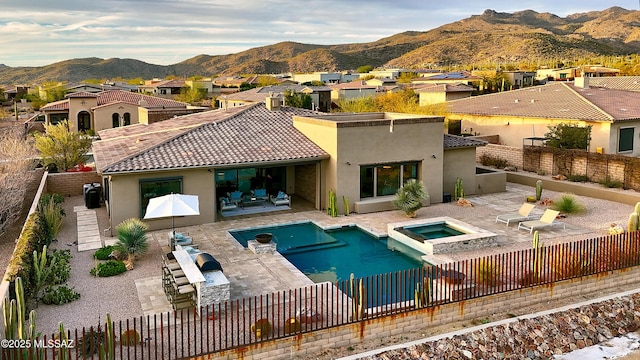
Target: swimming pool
[[333, 254], [434, 230]]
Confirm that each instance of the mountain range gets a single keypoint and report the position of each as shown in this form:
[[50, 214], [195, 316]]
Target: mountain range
[[490, 37]]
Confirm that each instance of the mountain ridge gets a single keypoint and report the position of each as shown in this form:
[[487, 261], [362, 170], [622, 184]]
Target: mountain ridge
[[489, 37]]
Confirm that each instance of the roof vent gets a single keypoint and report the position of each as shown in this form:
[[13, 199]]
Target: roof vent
[[517, 101], [533, 100]]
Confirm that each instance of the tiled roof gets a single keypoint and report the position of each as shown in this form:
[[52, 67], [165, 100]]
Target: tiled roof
[[114, 96], [56, 105], [254, 135], [631, 83], [352, 85], [454, 141], [173, 83], [119, 143], [110, 96], [261, 93], [556, 100], [462, 75]]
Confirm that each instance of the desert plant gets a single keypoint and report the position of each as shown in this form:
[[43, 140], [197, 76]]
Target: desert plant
[[422, 293], [332, 207], [495, 161], [41, 272], [59, 295], [262, 328], [487, 272], [53, 216], [103, 253], [130, 338], [632, 224], [292, 326], [108, 268], [347, 208], [60, 268], [132, 238], [567, 203], [458, 190], [358, 298], [538, 190], [610, 183], [409, 197], [567, 264], [16, 324], [578, 178]]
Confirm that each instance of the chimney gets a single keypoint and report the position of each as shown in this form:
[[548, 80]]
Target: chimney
[[582, 82], [273, 102]]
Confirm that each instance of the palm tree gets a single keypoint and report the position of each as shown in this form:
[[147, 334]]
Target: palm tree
[[409, 197], [132, 238]]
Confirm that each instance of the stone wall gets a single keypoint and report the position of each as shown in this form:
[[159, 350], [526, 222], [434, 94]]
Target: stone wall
[[512, 155], [70, 183], [379, 328]]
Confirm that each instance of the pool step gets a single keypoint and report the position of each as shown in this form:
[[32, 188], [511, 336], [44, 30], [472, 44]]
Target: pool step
[[312, 247]]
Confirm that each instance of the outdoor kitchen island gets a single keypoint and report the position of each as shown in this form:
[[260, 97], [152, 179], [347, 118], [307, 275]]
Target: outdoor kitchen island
[[205, 274]]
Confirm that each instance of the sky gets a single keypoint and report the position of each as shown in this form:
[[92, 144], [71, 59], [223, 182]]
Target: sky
[[164, 32]]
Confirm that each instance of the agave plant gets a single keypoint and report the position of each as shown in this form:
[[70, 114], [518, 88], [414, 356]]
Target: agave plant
[[132, 238], [409, 197]]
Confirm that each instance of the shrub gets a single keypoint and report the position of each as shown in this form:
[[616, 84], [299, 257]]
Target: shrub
[[409, 197], [262, 328], [49, 197], [132, 238], [567, 203], [487, 272], [61, 269], [495, 161], [610, 183], [578, 178], [103, 253], [59, 295], [53, 216], [109, 268]]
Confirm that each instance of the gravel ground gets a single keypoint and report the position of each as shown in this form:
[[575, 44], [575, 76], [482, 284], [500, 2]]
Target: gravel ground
[[118, 295]]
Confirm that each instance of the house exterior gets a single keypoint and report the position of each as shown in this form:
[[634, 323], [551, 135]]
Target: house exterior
[[162, 88], [365, 157], [568, 74], [108, 109], [320, 95], [326, 77], [454, 77], [520, 79], [430, 94], [526, 113], [352, 90]]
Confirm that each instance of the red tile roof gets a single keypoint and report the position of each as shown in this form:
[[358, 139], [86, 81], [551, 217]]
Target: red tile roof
[[114, 96], [249, 135]]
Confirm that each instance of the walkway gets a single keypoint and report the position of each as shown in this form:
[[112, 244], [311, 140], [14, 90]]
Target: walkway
[[88, 231]]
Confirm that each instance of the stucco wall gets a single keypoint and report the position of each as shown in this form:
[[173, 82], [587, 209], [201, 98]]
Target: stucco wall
[[125, 197], [513, 129], [103, 115], [365, 142], [305, 181], [459, 163]]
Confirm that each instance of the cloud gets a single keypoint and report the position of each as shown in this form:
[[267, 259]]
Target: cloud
[[151, 29]]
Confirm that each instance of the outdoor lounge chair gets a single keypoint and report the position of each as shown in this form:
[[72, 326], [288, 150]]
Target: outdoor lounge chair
[[226, 204], [260, 194], [235, 197], [547, 219], [523, 214], [280, 199]]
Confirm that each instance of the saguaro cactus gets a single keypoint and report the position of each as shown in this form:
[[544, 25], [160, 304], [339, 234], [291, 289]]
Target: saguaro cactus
[[538, 190], [458, 190], [633, 222]]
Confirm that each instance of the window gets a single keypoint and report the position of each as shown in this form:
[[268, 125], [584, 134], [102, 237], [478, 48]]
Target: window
[[54, 119], [151, 188], [625, 140], [385, 179], [115, 120], [127, 119]]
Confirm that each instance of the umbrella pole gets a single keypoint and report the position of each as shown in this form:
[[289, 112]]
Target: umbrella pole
[[173, 234]]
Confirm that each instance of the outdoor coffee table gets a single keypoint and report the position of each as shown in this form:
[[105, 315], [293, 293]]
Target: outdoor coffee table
[[252, 201]]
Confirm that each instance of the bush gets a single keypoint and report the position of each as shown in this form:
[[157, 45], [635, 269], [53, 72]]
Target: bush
[[61, 270], [567, 203], [109, 268], [103, 253], [490, 160], [129, 338], [48, 197], [608, 182], [578, 178], [59, 295]]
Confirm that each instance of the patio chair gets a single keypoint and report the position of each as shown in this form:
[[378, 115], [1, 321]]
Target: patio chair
[[235, 197], [280, 199], [523, 214], [226, 204], [547, 219], [260, 194]]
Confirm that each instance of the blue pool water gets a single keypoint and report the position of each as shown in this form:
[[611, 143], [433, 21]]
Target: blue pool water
[[433, 231], [332, 255]]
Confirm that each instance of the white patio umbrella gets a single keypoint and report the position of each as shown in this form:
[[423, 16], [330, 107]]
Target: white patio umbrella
[[172, 205]]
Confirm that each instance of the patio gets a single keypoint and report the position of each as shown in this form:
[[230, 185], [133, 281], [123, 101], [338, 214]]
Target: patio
[[250, 274]]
